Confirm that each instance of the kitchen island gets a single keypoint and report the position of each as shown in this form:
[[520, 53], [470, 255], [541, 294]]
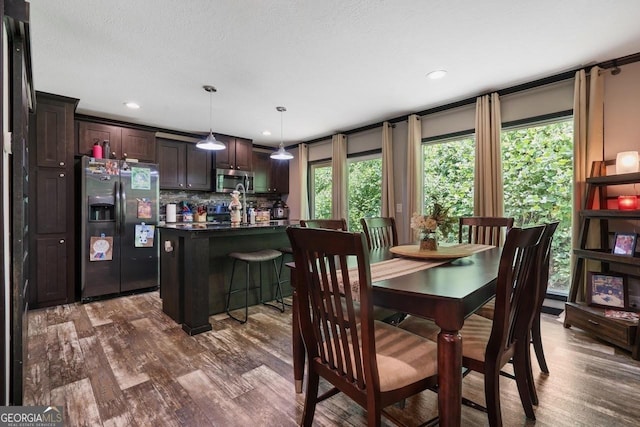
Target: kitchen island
[[195, 269]]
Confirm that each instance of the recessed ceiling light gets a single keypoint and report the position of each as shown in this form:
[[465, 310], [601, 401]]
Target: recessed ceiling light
[[266, 132], [437, 74], [132, 105]]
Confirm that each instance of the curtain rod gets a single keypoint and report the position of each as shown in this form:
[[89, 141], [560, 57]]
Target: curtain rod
[[612, 63]]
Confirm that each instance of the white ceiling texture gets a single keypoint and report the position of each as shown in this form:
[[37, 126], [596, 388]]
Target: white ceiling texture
[[334, 64]]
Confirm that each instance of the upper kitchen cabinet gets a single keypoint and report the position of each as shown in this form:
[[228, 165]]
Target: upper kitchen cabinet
[[124, 142], [271, 175], [237, 155], [183, 166]]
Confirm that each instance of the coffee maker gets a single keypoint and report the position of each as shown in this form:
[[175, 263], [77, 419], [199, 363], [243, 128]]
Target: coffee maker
[[279, 210]]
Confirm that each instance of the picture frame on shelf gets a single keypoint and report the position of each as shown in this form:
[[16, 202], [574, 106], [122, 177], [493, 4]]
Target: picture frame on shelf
[[607, 290], [624, 244]]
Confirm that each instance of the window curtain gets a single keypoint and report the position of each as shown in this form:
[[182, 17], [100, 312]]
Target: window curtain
[[588, 146], [488, 192], [303, 178], [339, 176], [414, 171], [388, 198]]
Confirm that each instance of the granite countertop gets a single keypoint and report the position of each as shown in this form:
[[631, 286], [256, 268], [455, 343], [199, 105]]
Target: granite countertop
[[225, 226]]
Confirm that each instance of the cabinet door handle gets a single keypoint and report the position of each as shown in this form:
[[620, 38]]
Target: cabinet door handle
[[113, 154], [189, 185], [61, 175], [124, 154], [61, 163], [593, 322], [180, 184], [61, 240]]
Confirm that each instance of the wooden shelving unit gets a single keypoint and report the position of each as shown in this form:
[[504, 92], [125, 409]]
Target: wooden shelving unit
[[624, 334]]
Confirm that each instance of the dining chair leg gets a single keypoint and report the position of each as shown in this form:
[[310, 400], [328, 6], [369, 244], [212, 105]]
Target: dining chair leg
[[310, 399], [537, 344], [522, 380], [492, 395], [529, 375]]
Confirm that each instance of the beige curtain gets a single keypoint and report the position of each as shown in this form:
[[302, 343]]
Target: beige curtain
[[388, 198], [414, 172], [339, 176], [588, 146], [488, 191], [303, 178]]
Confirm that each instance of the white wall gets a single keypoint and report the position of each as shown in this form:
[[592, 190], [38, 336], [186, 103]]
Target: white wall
[[622, 111]]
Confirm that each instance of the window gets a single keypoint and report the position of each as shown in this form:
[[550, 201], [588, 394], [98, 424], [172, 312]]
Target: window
[[537, 162], [320, 192], [365, 189], [448, 177]]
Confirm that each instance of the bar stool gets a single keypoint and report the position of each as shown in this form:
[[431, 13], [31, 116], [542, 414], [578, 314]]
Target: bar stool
[[249, 258], [285, 251]]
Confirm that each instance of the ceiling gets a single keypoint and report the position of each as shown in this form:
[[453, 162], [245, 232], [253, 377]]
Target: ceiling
[[334, 64]]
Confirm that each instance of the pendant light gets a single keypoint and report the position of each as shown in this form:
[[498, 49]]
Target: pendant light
[[210, 142], [281, 154]]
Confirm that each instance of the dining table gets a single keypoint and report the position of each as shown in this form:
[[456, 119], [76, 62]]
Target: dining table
[[447, 290]]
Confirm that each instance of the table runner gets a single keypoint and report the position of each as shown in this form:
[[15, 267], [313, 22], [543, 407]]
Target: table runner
[[399, 267]]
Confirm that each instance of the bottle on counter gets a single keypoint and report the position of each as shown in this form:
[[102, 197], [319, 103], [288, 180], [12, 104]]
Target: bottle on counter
[[235, 207], [252, 215]]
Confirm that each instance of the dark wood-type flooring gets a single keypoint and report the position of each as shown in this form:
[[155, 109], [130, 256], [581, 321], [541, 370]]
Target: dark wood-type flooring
[[122, 362]]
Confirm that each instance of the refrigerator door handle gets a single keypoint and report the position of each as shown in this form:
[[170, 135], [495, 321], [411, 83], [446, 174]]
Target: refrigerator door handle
[[117, 207], [123, 206]]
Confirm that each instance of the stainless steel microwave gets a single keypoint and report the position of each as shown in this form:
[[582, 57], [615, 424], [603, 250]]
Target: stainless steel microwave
[[227, 180]]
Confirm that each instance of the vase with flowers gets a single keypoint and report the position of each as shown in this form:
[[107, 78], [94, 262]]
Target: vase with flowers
[[427, 225]]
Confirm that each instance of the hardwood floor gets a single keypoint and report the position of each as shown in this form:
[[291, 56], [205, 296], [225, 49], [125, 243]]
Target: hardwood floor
[[122, 362]]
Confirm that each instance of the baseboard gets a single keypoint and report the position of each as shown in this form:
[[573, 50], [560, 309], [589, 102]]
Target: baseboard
[[552, 306]]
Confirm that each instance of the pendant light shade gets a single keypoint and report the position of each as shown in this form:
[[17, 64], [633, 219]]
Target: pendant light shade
[[281, 154], [210, 142]]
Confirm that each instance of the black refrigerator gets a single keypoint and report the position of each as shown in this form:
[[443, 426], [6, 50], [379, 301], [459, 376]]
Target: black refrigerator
[[119, 244]]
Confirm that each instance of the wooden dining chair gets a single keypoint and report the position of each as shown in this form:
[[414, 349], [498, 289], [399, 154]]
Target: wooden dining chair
[[381, 232], [373, 363], [332, 224], [488, 309], [488, 345], [483, 230]]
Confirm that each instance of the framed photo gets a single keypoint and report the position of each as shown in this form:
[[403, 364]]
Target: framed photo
[[624, 244], [608, 290]]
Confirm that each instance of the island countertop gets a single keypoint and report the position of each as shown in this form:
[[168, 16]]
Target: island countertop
[[225, 226], [195, 269]]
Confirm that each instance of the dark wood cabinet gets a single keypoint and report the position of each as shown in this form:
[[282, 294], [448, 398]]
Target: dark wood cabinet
[[198, 168], [262, 172], [280, 176], [596, 210], [124, 142], [138, 144], [52, 254], [271, 175], [238, 154], [52, 216], [183, 166], [89, 133], [171, 164]]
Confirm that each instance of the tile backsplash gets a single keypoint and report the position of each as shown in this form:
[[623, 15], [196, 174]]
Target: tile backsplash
[[199, 198]]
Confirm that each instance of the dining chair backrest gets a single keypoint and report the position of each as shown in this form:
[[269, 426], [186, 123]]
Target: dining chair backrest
[[381, 232], [326, 307], [341, 340], [546, 240], [517, 280], [484, 230], [331, 224]]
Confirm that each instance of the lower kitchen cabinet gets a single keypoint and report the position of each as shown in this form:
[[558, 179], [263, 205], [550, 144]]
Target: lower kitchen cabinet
[[51, 270]]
